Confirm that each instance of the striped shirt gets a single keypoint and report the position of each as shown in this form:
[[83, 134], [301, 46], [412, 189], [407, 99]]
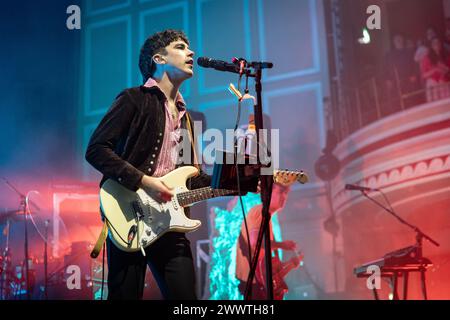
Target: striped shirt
[[168, 155]]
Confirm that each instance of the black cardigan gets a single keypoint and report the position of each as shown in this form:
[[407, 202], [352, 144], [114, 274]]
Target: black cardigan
[[127, 142]]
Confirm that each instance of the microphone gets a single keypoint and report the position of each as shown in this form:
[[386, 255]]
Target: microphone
[[359, 188], [217, 65]]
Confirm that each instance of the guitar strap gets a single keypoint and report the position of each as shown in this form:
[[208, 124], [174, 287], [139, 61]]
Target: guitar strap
[[100, 241], [189, 127], [104, 233]]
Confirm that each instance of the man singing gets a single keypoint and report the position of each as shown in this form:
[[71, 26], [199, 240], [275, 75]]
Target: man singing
[[138, 140]]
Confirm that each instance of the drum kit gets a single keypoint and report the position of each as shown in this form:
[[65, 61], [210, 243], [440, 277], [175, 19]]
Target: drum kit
[[42, 277], [13, 284]]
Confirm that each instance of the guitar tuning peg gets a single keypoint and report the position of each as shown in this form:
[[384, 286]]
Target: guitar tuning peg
[[302, 178]]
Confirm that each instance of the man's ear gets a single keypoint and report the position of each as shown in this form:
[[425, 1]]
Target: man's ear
[[158, 59]]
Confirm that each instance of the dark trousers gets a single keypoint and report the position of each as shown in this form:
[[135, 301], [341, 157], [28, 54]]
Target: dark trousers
[[170, 260]]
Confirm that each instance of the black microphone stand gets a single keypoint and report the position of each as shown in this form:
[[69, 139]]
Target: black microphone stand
[[419, 234], [266, 186], [46, 261], [243, 67], [24, 209], [23, 204]]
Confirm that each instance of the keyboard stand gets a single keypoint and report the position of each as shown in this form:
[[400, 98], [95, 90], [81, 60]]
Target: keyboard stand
[[395, 273]]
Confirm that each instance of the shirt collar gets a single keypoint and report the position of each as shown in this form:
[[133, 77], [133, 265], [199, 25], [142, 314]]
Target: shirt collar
[[179, 101]]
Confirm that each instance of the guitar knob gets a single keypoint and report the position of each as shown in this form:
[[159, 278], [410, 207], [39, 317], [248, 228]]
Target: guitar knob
[[148, 232]]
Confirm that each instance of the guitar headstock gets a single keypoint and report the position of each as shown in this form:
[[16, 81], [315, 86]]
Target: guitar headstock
[[288, 177]]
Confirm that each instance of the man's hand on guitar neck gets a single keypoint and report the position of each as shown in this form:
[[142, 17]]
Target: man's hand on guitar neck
[[160, 192]]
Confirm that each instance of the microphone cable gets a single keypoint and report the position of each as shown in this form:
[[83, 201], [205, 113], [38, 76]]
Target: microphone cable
[[237, 170]]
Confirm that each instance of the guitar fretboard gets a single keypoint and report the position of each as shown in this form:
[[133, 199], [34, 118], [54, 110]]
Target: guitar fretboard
[[192, 196]]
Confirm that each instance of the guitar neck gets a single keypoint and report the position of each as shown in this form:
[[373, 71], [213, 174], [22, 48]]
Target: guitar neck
[[192, 196]]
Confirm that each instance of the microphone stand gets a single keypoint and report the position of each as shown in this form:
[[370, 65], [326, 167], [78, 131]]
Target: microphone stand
[[241, 66], [24, 208], [419, 234], [46, 262], [266, 189]]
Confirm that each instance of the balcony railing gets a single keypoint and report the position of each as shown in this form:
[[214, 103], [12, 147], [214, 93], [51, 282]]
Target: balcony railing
[[375, 99]]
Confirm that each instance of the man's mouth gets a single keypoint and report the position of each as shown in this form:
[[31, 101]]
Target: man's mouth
[[190, 62]]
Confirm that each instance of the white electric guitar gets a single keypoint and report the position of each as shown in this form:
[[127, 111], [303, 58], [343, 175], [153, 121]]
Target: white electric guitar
[[135, 220]]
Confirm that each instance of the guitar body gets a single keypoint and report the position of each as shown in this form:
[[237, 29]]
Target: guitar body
[[280, 286], [279, 271], [135, 220]]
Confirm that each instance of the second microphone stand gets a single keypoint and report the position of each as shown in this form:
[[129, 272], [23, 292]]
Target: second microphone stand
[[419, 234]]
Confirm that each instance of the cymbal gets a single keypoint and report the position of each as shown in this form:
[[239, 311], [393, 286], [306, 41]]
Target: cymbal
[[8, 211], [10, 214]]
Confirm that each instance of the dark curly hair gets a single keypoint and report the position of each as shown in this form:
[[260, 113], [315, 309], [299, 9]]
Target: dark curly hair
[[156, 44]]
